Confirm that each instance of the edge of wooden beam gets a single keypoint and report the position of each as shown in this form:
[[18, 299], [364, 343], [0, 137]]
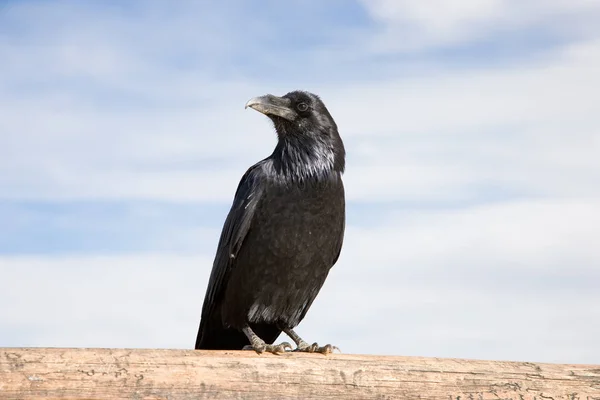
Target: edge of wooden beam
[[74, 373]]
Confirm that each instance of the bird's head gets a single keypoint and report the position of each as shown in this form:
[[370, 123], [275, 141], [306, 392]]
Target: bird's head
[[301, 117]]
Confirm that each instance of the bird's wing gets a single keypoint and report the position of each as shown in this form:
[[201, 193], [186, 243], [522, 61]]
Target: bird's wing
[[340, 243], [236, 227]]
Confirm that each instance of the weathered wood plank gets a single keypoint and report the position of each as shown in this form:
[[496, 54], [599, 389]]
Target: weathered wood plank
[[33, 373]]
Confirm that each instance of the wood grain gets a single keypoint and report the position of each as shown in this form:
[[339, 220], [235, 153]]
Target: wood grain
[[49, 373]]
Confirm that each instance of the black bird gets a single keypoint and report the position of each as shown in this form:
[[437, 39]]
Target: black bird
[[283, 233]]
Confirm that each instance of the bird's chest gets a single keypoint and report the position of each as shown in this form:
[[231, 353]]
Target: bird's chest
[[301, 222]]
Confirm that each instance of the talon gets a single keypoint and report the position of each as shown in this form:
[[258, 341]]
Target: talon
[[277, 349], [327, 349], [258, 347], [286, 346], [315, 348], [304, 347]]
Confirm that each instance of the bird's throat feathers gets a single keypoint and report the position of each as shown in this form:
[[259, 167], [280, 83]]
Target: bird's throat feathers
[[301, 157]]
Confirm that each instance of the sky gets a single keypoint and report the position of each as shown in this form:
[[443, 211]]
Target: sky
[[472, 133]]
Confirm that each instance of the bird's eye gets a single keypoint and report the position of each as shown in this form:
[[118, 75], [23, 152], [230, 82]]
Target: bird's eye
[[302, 107]]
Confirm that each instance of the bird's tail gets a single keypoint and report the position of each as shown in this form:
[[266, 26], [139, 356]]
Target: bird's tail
[[220, 338]]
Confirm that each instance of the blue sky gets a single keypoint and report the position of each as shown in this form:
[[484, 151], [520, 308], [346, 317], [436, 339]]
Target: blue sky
[[473, 177]]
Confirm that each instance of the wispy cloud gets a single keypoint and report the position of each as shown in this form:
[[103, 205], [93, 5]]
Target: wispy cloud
[[414, 26], [418, 128]]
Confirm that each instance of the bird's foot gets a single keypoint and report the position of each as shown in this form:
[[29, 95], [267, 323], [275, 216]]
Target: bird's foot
[[259, 345], [315, 348], [308, 348], [262, 347]]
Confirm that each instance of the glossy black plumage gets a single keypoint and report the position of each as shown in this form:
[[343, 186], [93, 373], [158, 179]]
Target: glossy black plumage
[[284, 230]]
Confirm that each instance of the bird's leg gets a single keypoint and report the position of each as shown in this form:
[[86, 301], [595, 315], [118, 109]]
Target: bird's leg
[[259, 345], [308, 348], [301, 344]]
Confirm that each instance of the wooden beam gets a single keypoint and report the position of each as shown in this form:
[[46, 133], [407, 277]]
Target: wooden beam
[[50, 373]]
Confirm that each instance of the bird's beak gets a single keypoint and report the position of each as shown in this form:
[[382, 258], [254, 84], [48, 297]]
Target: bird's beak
[[273, 105]]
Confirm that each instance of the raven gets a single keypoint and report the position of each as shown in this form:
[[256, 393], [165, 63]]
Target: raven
[[282, 235]]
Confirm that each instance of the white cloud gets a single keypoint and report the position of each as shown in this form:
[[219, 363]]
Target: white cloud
[[412, 25], [531, 129], [554, 91], [503, 281], [103, 301], [526, 234], [439, 20], [510, 281]]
